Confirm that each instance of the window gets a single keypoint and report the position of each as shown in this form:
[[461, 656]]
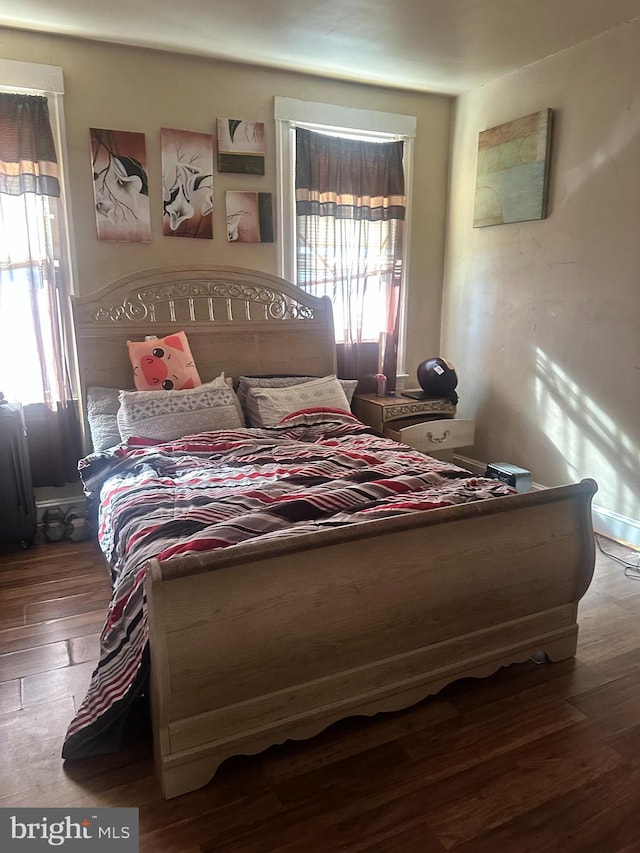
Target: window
[[36, 355], [328, 244]]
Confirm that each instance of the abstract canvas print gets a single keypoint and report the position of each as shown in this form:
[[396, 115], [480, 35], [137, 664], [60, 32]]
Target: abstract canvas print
[[249, 217], [187, 184], [240, 146], [120, 185], [513, 171]]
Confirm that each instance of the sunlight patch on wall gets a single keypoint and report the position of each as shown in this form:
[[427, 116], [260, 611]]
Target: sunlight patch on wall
[[620, 135], [589, 439]]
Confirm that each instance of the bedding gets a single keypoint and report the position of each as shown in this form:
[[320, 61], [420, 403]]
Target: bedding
[[316, 469], [245, 383], [167, 415], [267, 406], [103, 406], [102, 415]]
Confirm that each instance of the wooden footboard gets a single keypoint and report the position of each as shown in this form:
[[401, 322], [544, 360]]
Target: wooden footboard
[[263, 642]]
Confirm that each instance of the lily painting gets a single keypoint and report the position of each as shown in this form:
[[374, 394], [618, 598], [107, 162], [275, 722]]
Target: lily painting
[[240, 146], [249, 217], [187, 184], [120, 185]]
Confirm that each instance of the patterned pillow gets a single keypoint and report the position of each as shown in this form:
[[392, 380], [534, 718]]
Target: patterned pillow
[[102, 411], [267, 406], [163, 364], [247, 382], [168, 415]]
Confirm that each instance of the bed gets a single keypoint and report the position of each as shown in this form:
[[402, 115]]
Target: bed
[[278, 636]]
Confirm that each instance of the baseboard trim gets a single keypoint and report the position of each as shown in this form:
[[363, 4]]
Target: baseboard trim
[[611, 524], [621, 528]]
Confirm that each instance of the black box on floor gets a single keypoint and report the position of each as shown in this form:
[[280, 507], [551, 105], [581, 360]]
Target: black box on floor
[[514, 476]]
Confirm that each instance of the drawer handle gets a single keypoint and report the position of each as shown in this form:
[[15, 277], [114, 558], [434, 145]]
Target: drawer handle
[[432, 438]]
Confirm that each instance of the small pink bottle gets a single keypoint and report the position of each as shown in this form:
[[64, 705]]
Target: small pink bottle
[[381, 385]]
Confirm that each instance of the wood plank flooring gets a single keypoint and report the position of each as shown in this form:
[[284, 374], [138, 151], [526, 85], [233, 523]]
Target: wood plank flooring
[[538, 757]]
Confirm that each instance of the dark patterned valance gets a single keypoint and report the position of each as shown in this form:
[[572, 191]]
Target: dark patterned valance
[[28, 161], [348, 178]]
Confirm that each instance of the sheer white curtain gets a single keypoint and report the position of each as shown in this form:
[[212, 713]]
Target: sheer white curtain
[[32, 370]]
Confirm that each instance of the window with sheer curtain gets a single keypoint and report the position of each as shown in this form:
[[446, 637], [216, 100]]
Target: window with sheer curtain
[[343, 173], [350, 208], [34, 364]]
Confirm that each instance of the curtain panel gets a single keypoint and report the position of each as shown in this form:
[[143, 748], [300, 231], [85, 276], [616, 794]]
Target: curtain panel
[[348, 178], [28, 161]]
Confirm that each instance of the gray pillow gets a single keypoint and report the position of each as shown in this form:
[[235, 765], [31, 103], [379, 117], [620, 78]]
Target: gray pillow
[[247, 382], [169, 415], [102, 411]]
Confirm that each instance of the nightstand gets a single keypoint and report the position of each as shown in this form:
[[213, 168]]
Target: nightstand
[[428, 425]]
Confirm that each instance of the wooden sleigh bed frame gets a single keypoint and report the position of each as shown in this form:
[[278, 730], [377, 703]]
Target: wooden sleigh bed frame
[[267, 641]]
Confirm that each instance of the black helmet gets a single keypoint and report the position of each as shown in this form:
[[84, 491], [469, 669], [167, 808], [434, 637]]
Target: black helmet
[[438, 378]]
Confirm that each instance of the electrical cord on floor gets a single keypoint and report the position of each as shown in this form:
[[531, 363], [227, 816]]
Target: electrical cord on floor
[[631, 570]]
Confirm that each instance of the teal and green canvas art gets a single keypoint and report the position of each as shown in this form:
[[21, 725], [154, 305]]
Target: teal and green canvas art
[[513, 171]]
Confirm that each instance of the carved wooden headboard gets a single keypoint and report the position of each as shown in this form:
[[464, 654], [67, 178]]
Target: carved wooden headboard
[[237, 320]]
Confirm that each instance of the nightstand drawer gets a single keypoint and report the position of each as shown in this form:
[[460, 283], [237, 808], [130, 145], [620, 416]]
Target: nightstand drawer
[[380, 412], [433, 436]]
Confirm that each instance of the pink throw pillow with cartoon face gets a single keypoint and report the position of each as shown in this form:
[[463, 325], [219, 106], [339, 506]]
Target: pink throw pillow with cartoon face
[[163, 364]]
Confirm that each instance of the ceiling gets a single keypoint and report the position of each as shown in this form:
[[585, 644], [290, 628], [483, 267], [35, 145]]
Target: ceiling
[[446, 46]]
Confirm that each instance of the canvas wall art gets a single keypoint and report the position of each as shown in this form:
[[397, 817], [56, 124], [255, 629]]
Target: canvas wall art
[[187, 183], [249, 217], [513, 171], [120, 185], [240, 146]]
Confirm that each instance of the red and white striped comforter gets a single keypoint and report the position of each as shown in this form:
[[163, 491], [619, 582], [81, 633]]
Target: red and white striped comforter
[[315, 469]]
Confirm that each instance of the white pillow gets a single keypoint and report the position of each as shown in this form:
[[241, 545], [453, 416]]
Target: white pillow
[[168, 415], [267, 406], [246, 382]]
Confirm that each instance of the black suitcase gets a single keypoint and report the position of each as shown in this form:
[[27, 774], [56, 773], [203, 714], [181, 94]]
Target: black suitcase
[[17, 500]]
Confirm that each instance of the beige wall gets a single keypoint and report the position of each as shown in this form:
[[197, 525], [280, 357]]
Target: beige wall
[[141, 90], [542, 319]]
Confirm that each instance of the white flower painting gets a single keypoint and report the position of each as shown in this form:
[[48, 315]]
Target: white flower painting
[[187, 184], [120, 185]]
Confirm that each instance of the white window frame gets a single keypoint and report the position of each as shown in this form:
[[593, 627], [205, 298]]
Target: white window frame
[[290, 113]]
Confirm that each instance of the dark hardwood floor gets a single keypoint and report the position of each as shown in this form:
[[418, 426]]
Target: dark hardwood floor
[[538, 757]]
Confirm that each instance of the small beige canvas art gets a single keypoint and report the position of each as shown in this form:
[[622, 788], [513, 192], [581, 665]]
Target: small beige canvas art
[[249, 217], [240, 146], [513, 171]]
